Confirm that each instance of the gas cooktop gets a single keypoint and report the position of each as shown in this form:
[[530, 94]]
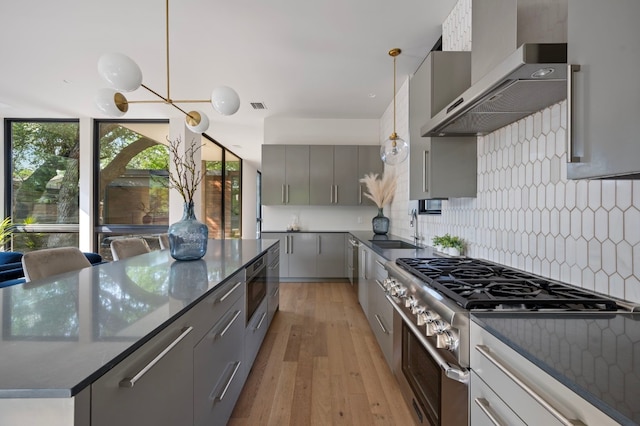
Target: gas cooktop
[[477, 284]]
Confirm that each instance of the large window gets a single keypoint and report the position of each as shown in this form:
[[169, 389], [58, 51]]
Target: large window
[[42, 169], [132, 190]]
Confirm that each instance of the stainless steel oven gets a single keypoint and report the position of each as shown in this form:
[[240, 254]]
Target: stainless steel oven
[[256, 279]]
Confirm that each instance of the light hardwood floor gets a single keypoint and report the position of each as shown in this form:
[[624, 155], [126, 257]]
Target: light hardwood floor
[[320, 365]]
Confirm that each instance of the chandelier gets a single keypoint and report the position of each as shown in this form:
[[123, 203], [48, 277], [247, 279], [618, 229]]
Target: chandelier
[[124, 75]]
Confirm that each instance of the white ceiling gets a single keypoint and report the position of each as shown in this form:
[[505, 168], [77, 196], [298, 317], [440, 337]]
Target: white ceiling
[[301, 58]]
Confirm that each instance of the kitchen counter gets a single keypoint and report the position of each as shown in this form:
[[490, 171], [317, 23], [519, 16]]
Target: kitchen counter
[[595, 355], [61, 334]]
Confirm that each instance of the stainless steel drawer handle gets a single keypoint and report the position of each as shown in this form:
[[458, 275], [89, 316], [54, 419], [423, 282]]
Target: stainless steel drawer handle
[[488, 411], [226, 386], [384, 330], [571, 157], [224, 331], [275, 292], [264, 315], [486, 352], [130, 382], [227, 294], [380, 285]]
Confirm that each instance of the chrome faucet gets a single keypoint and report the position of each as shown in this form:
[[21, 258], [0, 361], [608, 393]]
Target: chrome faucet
[[414, 224]]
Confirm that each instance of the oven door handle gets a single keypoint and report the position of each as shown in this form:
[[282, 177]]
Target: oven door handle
[[457, 374]]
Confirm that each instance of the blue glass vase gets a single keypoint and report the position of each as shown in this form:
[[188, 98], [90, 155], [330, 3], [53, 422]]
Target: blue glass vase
[[380, 223], [188, 237]]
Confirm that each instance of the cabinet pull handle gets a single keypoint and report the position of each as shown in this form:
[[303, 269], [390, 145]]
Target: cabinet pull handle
[[227, 294], [364, 264], [318, 244], [282, 194], [264, 315], [286, 244], [488, 411], [331, 194], [130, 382], [287, 194], [224, 331], [425, 171], [360, 194], [486, 352], [380, 285], [275, 292], [336, 197], [226, 386], [380, 263], [290, 244], [384, 330], [571, 158]]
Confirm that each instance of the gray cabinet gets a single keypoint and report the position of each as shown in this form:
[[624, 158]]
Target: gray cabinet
[[218, 361], [153, 385], [273, 281], [440, 167], [285, 174], [603, 124], [333, 175], [380, 310], [369, 161], [364, 277], [254, 335], [310, 255]]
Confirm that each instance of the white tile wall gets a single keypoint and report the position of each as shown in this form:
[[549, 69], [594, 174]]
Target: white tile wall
[[527, 214]]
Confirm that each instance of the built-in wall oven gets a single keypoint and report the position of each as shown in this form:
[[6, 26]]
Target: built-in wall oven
[[432, 300], [256, 279]]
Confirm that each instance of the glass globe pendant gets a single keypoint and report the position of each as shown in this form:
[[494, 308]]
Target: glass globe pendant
[[394, 150]]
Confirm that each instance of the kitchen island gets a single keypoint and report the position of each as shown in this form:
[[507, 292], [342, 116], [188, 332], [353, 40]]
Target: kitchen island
[[60, 335]]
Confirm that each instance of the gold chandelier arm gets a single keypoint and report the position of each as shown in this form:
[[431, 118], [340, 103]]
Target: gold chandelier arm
[[189, 101]]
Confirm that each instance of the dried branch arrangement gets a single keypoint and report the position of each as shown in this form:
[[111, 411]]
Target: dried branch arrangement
[[381, 191], [185, 178]]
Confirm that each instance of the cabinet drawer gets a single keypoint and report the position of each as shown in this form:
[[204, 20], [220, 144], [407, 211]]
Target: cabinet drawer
[[487, 409], [535, 396], [254, 333], [153, 385], [379, 271], [218, 363], [381, 319], [211, 309]]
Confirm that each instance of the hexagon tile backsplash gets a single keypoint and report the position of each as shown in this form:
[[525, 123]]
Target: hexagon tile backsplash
[[529, 216]]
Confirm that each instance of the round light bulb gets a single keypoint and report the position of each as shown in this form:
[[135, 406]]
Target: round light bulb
[[197, 121], [120, 71], [111, 102], [394, 150], [225, 100]]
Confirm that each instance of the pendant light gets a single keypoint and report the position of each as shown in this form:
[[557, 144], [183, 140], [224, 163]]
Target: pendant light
[[394, 150], [124, 75]]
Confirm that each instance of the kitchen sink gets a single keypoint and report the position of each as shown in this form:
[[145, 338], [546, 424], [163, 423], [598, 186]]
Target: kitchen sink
[[393, 244]]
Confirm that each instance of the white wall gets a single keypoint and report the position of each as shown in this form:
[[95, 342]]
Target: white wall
[[292, 131], [528, 215], [249, 202]]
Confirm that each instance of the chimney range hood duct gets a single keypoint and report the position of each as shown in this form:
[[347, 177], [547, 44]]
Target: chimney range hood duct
[[528, 80]]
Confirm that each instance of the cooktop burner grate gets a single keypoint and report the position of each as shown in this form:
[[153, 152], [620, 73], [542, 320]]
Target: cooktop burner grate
[[477, 284]]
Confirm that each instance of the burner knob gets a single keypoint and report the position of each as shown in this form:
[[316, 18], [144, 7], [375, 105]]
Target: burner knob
[[388, 283], [436, 327], [410, 302], [417, 310], [447, 339], [401, 291], [427, 317]]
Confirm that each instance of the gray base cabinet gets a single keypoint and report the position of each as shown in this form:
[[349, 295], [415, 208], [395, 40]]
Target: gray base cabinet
[[381, 314], [256, 330], [310, 255], [273, 281], [154, 385]]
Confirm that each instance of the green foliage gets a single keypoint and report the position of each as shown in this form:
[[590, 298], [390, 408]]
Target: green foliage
[[6, 229], [447, 241]]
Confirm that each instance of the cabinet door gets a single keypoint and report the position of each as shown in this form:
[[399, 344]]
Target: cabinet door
[[369, 161], [302, 255], [345, 175], [603, 40], [321, 189], [273, 281], [331, 257], [219, 368], [364, 259], [297, 171], [273, 175], [284, 250], [381, 319], [154, 385]]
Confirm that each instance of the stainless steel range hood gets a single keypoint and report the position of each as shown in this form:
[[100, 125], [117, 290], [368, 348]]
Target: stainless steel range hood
[[528, 80]]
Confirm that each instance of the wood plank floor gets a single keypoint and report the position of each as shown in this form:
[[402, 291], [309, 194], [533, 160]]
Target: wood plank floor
[[320, 365]]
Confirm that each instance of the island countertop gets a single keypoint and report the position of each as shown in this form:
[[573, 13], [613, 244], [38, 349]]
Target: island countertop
[[60, 334]]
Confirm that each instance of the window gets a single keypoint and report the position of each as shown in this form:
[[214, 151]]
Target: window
[[132, 192], [43, 171]]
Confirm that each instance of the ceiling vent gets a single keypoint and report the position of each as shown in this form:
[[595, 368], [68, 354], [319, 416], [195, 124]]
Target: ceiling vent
[[258, 105]]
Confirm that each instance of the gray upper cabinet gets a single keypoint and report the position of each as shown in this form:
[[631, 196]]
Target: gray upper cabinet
[[320, 175], [285, 174], [333, 177], [603, 125], [440, 167], [369, 161]]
